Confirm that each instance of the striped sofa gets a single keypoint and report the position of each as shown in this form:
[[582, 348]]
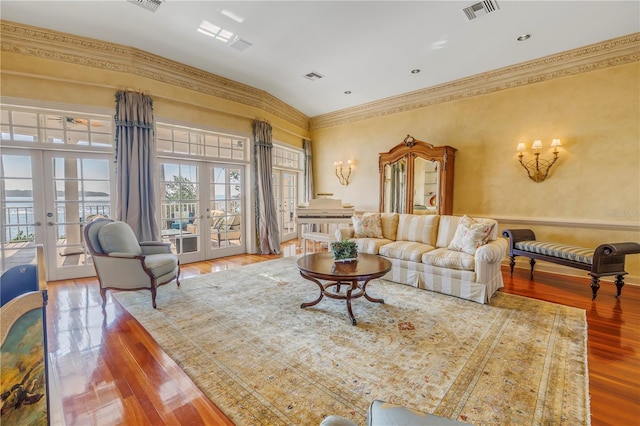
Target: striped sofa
[[604, 260], [417, 246]]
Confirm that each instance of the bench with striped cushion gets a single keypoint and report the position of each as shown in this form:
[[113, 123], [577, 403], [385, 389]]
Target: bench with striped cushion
[[604, 260], [563, 251]]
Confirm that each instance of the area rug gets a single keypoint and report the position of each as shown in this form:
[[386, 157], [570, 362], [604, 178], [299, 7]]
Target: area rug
[[246, 343]]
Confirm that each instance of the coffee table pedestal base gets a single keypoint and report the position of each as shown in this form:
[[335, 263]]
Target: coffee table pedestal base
[[354, 291]]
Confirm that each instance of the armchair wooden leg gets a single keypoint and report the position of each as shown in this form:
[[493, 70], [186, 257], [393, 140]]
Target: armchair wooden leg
[[153, 295]]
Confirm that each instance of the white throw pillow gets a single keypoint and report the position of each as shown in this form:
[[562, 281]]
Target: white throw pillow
[[470, 234], [368, 226]]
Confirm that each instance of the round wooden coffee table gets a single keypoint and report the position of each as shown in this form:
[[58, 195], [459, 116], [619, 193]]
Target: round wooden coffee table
[[354, 275]]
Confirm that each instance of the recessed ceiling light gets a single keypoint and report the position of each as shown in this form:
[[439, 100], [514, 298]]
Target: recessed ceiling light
[[347, 92], [524, 37], [415, 71]]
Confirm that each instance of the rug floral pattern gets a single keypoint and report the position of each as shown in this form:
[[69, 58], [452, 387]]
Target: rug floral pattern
[[246, 343]]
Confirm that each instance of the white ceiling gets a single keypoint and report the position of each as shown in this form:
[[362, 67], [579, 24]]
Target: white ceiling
[[366, 47]]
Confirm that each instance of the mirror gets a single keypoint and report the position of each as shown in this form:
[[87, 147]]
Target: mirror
[[425, 189], [416, 177], [395, 186]]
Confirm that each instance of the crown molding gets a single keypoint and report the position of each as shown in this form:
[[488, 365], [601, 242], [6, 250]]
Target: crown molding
[[57, 46], [52, 45], [597, 56]]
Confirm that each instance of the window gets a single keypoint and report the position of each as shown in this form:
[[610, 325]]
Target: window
[[56, 128], [186, 141], [286, 158]]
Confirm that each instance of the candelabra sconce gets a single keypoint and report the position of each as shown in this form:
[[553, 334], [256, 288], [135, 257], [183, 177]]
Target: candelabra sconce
[[342, 175], [538, 168]]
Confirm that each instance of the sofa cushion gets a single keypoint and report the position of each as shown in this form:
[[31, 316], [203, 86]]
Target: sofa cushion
[[446, 258], [389, 225], [161, 264], [118, 237], [418, 228], [449, 224], [367, 226], [470, 234], [405, 250], [370, 245]]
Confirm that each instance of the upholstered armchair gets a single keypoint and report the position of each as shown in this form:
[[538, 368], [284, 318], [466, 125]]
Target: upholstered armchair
[[123, 263]]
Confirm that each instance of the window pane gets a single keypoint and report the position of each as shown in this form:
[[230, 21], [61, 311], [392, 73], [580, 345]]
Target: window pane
[[212, 152], [76, 123], [181, 148], [101, 139], [211, 140], [163, 133], [181, 135], [163, 145], [101, 126], [25, 118], [54, 136], [25, 134], [52, 121], [77, 138]]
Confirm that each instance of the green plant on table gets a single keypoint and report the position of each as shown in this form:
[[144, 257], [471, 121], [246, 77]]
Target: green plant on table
[[344, 250]]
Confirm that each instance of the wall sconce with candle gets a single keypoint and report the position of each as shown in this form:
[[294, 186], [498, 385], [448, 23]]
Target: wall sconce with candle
[[343, 176], [538, 169]]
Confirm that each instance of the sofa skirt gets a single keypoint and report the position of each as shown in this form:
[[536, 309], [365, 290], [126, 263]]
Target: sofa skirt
[[452, 282]]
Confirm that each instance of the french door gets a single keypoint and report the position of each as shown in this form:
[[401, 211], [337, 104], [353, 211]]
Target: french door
[[285, 184], [202, 208], [46, 198]]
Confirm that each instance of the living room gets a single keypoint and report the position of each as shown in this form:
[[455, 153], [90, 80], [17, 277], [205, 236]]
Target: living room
[[587, 98]]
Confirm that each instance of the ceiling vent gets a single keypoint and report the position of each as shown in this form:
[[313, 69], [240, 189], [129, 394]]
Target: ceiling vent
[[480, 9], [313, 76], [240, 44], [150, 5]]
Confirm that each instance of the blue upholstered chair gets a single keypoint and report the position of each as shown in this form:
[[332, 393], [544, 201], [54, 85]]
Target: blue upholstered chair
[[18, 280], [22, 279], [123, 263]]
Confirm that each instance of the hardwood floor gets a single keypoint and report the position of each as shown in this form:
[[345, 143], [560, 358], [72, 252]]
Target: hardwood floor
[[108, 371]]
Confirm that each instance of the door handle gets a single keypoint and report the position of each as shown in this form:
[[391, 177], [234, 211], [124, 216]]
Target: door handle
[[37, 224], [50, 223]]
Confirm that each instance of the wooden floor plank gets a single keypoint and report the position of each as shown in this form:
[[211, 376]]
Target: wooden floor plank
[[110, 370]]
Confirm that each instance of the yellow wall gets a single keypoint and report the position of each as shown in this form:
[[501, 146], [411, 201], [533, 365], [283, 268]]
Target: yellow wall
[[30, 77], [593, 192]]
